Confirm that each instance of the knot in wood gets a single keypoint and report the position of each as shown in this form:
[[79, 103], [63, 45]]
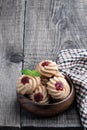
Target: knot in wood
[[16, 58]]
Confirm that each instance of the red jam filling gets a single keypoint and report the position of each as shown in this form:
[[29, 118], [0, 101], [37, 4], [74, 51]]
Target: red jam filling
[[59, 86], [46, 63], [25, 80], [38, 97]]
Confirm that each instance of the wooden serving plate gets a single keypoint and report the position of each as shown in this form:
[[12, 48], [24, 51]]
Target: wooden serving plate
[[48, 109]]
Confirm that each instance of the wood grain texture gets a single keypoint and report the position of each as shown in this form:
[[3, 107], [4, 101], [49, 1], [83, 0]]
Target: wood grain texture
[[11, 47], [50, 128], [67, 119], [52, 25]]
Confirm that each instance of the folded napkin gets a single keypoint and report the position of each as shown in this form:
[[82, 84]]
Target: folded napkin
[[73, 62]]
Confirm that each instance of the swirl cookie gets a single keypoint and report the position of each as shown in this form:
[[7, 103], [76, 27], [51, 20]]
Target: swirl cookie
[[40, 95], [58, 88], [48, 68], [27, 84]]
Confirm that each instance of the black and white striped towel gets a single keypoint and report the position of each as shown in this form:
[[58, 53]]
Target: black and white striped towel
[[73, 62]]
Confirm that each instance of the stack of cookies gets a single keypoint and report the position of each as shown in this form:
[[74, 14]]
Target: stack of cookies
[[51, 85]]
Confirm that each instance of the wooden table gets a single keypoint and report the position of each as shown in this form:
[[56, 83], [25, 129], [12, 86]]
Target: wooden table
[[32, 30]]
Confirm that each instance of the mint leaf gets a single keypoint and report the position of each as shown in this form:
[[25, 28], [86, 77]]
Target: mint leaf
[[36, 73], [26, 71], [31, 72]]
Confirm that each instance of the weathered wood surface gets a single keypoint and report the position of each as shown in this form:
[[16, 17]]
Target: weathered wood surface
[[52, 25], [11, 49], [44, 27]]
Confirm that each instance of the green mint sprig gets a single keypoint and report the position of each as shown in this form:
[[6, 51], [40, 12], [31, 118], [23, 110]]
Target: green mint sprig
[[31, 72]]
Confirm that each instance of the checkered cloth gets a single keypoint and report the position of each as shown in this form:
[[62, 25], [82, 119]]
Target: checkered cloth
[[73, 62]]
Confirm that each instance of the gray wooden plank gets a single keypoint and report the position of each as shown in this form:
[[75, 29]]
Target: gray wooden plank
[[11, 50], [52, 25], [67, 119]]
